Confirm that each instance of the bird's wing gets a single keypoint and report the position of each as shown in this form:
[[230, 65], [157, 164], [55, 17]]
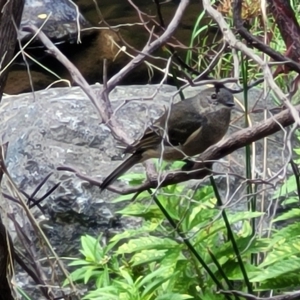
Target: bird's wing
[[184, 130], [150, 140], [178, 131]]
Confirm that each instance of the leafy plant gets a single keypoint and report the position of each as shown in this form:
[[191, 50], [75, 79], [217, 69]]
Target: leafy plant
[[157, 248]]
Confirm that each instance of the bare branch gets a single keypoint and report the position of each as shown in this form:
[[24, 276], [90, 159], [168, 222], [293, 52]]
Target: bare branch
[[202, 167], [233, 42], [149, 48]]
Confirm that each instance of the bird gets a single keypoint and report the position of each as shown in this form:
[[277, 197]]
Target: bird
[[187, 129]]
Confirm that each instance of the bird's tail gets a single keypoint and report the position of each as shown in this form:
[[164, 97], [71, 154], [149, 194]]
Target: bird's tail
[[121, 169]]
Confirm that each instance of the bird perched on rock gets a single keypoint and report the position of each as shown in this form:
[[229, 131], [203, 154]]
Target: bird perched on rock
[[187, 129]]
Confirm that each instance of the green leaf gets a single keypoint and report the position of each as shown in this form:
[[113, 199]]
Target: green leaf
[[205, 194], [147, 256], [77, 275], [288, 281], [201, 213], [173, 296], [215, 228], [91, 248], [289, 232], [125, 274], [246, 229], [283, 249], [103, 279], [137, 209], [207, 295], [128, 197], [105, 293], [281, 268], [79, 262], [130, 233], [233, 271], [246, 245], [289, 186], [91, 272], [292, 213], [160, 275], [172, 257], [291, 200], [145, 243]]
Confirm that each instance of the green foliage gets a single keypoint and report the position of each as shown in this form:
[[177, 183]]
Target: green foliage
[[204, 46], [155, 261], [151, 262], [290, 189]]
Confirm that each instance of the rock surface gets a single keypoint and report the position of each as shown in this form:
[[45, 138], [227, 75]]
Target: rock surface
[[59, 19]]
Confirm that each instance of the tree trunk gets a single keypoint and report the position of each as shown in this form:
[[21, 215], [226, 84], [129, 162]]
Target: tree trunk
[[10, 18]]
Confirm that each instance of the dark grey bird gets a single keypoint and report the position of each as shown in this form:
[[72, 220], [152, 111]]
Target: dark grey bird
[[188, 129]]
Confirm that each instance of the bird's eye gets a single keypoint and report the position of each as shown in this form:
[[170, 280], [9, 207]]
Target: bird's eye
[[214, 96]]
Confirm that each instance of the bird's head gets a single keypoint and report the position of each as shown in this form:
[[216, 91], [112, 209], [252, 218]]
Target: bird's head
[[221, 98]]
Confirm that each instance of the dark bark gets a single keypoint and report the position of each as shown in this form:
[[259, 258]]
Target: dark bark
[[5, 264], [288, 26], [10, 18], [6, 248], [256, 43]]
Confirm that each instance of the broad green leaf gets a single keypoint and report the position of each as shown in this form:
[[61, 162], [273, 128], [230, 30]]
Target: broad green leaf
[[103, 279], [200, 214], [145, 243], [173, 296], [91, 272], [147, 256], [79, 262], [172, 256], [141, 210], [130, 233], [280, 268], [233, 271], [289, 186], [105, 293], [121, 198], [284, 249], [292, 213], [289, 281], [126, 275], [77, 275], [160, 275], [91, 248], [246, 246], [216, 227], [291, 231]]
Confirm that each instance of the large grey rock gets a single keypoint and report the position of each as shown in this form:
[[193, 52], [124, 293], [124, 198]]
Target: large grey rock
[[61, 127], [60, 20]]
